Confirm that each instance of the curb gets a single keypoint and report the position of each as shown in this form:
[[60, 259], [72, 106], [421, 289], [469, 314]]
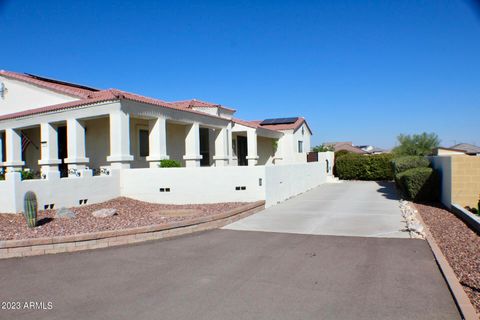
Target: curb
[[461, 299], [110, 238]]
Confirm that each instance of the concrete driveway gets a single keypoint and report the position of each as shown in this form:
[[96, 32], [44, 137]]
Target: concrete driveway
[[367, 209]]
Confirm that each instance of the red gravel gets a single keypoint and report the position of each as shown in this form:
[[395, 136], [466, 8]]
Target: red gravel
[[130, 213], [459, 244]]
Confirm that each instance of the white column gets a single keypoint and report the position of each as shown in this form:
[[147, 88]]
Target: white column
[[221, 147], [252, 154], [157, 140], [192, 155], [120, 156], [77, 162], [49, 151], [13, 144]]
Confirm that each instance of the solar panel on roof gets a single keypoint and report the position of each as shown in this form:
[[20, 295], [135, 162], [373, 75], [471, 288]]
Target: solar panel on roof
[[278, 121]]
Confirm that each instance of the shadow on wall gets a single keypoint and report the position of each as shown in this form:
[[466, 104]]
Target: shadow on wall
[[388, 190]]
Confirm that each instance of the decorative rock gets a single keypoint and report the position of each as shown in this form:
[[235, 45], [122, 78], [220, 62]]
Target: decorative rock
[[103, 213], [65, 213]]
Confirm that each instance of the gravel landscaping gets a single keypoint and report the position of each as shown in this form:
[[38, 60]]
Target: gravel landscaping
[[459, 244], [130, 213]]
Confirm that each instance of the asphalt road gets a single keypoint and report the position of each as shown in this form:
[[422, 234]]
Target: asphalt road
[[357, 208], [225, 274]]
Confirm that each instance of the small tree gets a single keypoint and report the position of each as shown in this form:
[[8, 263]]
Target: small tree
[[417, 144], [322, 148]]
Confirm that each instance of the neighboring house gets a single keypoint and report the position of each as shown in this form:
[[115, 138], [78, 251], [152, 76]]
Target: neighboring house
[[441, 151], [372, 150], [469, 149], [47, 125], [347, 146]]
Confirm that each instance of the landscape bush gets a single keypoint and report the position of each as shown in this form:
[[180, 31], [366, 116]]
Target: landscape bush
[[364, 167], [405, 163], [169, 164], [419, 183]]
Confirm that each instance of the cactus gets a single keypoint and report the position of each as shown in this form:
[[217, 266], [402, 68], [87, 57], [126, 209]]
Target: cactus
[[30, 209]]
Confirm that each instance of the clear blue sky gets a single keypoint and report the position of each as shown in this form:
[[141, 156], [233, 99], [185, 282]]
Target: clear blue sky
[[361, 71]]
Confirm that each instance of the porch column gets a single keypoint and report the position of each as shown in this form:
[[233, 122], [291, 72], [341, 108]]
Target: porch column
[[157, 140], [13, 144], [221, 147], [49, 152], [252, 155], [76, 149], [192, 155], [120, 156]]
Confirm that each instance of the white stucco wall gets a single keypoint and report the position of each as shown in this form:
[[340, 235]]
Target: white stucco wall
[[97, 145], [22, 96], [193, 185], [65, 192], [176, 135], [265, 151], [444, 166]]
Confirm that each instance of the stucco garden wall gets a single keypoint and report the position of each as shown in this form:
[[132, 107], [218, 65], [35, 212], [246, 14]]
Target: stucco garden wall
[[460, 176], [97, 142]]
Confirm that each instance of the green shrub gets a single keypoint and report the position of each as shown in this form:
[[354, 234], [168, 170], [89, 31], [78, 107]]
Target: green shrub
[[27, 175], [405, 163], [419, 184], [169, 164], [341, 153], [364, 167]]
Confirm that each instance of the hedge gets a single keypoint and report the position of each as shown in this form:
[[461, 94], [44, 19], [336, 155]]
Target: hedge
[[402, 164], [364, 167], [419, 183]]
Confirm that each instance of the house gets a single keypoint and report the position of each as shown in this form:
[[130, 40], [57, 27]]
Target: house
[[345, 146], [441, 151], [470, 149], [46, 124], [89, 145], [372, 149]]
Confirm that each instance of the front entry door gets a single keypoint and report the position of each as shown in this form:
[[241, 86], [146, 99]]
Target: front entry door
[[242, 151]]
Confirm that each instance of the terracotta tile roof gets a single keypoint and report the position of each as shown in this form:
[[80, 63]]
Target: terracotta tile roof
[[251, 124], [281, 127], [55, 85], [194, 103], [102, 96]]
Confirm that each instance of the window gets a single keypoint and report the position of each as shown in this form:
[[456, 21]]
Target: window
[[143, 142], [300, 146]]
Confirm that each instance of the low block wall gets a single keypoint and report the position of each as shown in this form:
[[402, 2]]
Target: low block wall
[[173, 185], [65, 192], [194, 185], [460, 179]]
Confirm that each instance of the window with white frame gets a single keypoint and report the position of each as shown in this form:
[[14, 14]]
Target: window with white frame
[[300, 146]]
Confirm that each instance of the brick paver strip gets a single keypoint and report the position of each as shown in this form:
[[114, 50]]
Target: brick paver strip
[[461, 299], [102, 239]]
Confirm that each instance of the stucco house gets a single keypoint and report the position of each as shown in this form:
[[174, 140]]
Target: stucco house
[[87, 145], [47, 124]]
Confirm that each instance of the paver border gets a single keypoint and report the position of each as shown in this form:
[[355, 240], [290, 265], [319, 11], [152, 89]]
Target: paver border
[[110, 238], [467, 310]]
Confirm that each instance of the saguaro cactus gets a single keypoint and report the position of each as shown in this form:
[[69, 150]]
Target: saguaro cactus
[[30, 208]]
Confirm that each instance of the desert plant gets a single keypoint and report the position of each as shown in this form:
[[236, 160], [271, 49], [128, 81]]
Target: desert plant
[[417, 144], [419, 184], [30, 209], [404, 163], [169, 164]]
